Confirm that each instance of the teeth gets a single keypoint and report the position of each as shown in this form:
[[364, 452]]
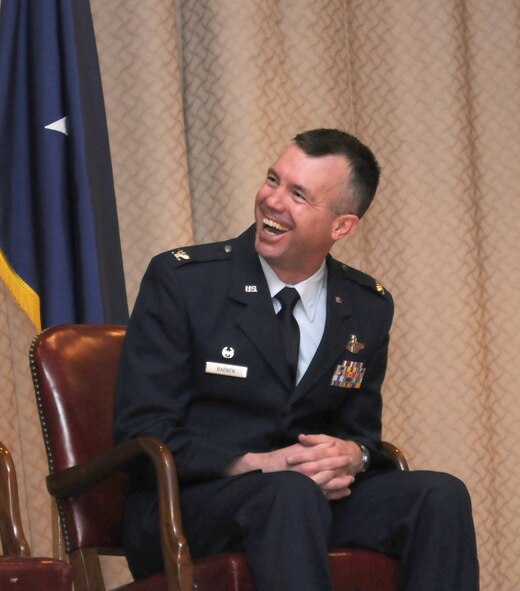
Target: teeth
[[275, 225]]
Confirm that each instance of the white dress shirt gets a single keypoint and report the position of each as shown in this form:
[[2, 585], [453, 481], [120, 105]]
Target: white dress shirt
[[310, 310]]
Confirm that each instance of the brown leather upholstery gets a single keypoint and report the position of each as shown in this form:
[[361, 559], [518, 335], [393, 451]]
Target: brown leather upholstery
[[352, 570], [74, 371], [18, 570], [41, 574]]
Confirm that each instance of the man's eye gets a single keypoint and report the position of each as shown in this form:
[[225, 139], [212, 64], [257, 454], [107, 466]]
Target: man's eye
[[272, 180], [299, 195]]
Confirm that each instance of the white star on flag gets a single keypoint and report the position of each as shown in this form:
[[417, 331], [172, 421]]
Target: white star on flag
[[59, 125]]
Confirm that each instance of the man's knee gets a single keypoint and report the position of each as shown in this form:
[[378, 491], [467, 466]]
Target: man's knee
[[448, 488], [292, 482], [446, 495], [288, 495], [293, 485]]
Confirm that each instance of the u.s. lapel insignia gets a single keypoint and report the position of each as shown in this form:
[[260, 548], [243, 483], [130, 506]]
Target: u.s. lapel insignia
[[250, 288], [353, 345], [181, 255], [348, 374]]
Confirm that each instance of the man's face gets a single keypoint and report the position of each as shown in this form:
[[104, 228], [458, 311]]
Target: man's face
[[295, 222]]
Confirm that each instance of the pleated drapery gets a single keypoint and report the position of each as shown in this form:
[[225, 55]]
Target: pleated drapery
[[202, 95]]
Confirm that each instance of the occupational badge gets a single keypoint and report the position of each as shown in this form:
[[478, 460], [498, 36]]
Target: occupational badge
[[228, 352], [353, 345], [348, 374]]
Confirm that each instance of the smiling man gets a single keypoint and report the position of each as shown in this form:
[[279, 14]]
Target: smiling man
[[301, 210], [259, 361]]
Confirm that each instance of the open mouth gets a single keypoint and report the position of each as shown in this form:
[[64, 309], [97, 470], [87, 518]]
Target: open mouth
[[274, 228]]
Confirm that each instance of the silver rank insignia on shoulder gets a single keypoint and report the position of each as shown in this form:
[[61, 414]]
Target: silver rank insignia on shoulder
[[250, 289], [181, 255], [353, 345], [228, 352]]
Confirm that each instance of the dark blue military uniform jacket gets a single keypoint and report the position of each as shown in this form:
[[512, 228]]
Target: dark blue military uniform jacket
[[203, 318]]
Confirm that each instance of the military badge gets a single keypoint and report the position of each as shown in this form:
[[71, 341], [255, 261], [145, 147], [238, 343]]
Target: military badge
[[353, 345], [228, 352], [348, 374], [181, 255]]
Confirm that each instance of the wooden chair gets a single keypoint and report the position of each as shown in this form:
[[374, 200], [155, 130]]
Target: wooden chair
[[74, 370], [18, 569]]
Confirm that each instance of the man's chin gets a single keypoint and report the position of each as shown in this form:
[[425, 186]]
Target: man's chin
[[268, 246]]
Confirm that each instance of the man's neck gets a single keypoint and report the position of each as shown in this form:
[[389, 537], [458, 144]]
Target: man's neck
[[290, 277]]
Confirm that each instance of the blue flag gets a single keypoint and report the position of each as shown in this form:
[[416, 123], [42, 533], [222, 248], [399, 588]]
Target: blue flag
[[60, 253]]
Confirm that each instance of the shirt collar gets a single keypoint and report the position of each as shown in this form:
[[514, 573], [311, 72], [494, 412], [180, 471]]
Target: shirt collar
[[309, 289]]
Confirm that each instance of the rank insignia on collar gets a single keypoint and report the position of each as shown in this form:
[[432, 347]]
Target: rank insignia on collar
[[348, 374], [181, 255], [353, 345]]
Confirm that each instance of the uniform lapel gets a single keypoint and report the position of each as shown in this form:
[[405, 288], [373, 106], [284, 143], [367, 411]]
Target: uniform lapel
[[340, 324], [254, 309]]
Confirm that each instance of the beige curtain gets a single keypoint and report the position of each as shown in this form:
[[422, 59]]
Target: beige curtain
[[201, 96]]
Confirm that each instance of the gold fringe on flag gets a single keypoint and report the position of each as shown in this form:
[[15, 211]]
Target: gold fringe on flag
[[24, 295]]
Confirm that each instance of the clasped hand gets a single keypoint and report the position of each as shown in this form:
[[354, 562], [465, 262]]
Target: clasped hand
[[331, 462]]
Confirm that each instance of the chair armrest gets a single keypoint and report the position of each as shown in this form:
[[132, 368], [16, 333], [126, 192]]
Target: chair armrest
[[12, 536], [396, 454], [76, 479]]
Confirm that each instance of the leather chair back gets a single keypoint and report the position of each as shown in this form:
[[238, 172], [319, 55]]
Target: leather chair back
[[72, 364]]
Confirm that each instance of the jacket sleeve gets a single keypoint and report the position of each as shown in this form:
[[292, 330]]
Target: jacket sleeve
[[155, 379]]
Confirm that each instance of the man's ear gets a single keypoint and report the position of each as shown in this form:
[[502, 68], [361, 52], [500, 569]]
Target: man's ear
[[343, 225]]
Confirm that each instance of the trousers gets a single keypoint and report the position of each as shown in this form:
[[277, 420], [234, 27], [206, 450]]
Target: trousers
[[285, 525]]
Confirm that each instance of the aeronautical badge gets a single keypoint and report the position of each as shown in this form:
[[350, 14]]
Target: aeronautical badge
[[181, 255], [353, 345], [348, 374]]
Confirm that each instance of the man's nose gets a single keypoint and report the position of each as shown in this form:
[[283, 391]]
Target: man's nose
[[276, 198]]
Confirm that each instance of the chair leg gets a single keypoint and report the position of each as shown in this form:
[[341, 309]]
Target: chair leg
[[86, 570]]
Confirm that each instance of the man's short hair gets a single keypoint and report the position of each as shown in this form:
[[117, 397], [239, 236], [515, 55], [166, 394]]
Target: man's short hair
[[364, 169]]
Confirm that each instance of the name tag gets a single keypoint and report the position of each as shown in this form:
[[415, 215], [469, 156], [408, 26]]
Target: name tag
[[225, 369]]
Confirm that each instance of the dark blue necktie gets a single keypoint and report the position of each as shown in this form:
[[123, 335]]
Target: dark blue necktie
[[288, 297]]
